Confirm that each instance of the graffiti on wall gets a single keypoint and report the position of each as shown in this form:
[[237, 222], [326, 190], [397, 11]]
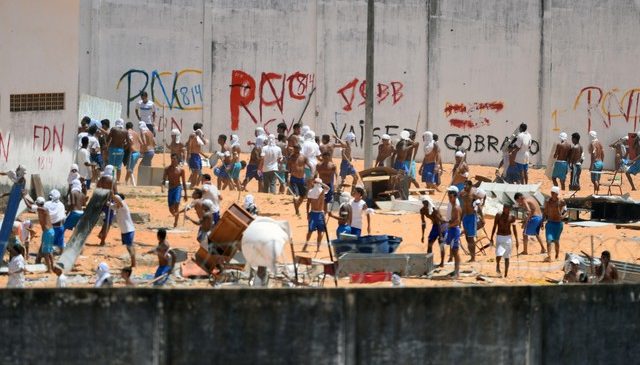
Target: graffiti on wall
[[608, 106], [354, 93], [179, 90], [265, 102], [481, 143], [5, 144], [471, 115]]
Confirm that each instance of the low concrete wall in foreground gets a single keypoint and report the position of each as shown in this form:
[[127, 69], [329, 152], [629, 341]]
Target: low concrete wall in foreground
[[472, 325]]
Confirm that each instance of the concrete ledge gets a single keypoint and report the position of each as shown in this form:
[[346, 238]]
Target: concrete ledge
[[471, 325]]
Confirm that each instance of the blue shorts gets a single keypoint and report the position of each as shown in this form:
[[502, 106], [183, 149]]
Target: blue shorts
[[460, 187], [298, 186], [412, 169], [512, 175], [174, 195], [428, 173], [216, 218], [343, 228], [316, 222], [635, 168], [453, 237], [328, 197], [346, 169], [161, 270], [470, 224], [109, 214], [533, 225], [402, 165], [221, 171], [147, 157], [72, 219], [58, 239], [97, 158], [356, 231], [560, 169], [553, 231], [597, 166], [434, 233], [127, 238], [522, 167], [307, 173], [133, 160], [252, 172], [195, 162], [116, 156], [235, 170], [87, 183], [47, 239]]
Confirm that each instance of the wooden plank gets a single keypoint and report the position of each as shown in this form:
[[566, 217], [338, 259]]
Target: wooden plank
[[416, 264], [635, 226], [376, 178], [36, 185], [10, 214]]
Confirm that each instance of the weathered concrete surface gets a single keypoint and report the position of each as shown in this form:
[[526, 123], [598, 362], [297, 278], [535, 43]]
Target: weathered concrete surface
[[474, 325]]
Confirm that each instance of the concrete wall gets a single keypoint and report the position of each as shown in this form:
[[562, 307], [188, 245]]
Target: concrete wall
[[472, 68], [473, 325], [39, 54]]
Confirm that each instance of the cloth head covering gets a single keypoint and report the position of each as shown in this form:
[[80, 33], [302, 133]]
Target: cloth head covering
[[74, 167], [459, 154], [259, 131], [563, 136], [310, 136], [119, 123], [350, 137], [426, 199], [427, 137], [555, 189], [208, 203], [575, 261], [143, 126], [76, 185], [40, 200], [102, 273], [481, 193], [248, 201], [175, 132], [20, 171], [405, 135], [593, 135], [235, 140], [453, 189], [260, 141], [54, 195], [386, 136], [304, 129], [108, 171], [272, 140]]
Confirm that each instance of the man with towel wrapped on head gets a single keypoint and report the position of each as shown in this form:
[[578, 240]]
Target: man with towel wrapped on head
[[148, 147], [57, 214], [554, 210], [236, 165], [346, 165], [315, 212], [118, 141], [431, 158], [194, 147], [561, 166], [311, 150], [176, 146], [404, 148], [460, 172], [76, 202], [385, 151], [597, 156]]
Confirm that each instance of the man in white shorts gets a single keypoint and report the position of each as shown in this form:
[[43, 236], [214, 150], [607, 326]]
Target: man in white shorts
[[502, 223]]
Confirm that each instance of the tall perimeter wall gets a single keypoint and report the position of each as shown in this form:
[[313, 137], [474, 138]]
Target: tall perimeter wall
[[473, 325], [471, 68]]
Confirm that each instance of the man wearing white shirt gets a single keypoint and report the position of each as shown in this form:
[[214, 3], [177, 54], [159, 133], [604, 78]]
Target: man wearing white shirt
[[523, 142], [211, 192], [84, 162], [311, 151], [272, 155], [146, 111]]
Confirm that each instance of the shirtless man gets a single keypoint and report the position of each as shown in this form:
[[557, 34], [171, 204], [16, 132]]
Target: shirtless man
[[283, 174], [606, 272], [148, 145], [175, 174], [575, 162], [453, 232], [328, 172], [403, 152], [297, 162], [596, 151], [460, 172], [194, 148], [166, 259], [469, 217], [77, 200], [532, 222], [293, 139], [503, 223], [176, 146], [134, 144], [385, 151], [102, 134], [236, 166], [106, 181], [438, 227], [574, 275], [410, 159], [346, 166], [118, 141], [48, 233], [254, 167], [326, 145], [561, 166], [315, 212], [204, 222], [223, 171], [554, 209], [431, 157]]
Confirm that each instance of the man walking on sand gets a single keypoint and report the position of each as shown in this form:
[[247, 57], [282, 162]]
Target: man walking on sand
[[194, 147], [438, 227], [175, 174], [561, 166], [315, 217], [454, 231], [297, 183], [554, 209], [118, 141], [532, 222], [523, 143], [146, 111], [596, 151], [502, 223], [125, 223]]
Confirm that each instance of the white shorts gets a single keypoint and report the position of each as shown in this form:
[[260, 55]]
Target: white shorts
[[503, 246]]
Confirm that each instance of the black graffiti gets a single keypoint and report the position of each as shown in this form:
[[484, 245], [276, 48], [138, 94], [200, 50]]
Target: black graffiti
[[358, 129], [480, 143]]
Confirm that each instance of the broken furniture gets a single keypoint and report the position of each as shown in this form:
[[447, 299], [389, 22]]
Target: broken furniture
[[381, 183], [499, 194], [409, 264], [607, 208], [383, 244]]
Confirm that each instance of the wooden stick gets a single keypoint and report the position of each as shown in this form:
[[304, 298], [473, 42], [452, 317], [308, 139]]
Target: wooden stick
[[295, 265], [335, 269]]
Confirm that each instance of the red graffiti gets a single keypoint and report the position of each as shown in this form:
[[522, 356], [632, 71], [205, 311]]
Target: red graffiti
[[50, 137], [274, 90], [473, 113], [4, 148], [163, 121], [610, 105], [348, 93], [44, 162]]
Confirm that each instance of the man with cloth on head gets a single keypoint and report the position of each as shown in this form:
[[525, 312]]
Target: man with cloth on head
[[596, 151], [532, 222], [385, 151], [311, 150], [315, 212], [554, 210], [431, 158], [148, 146], [404, 148], [76, 202], [271, 155], [48, 234], [176, 146], [561, 166], [346, 166], [118, 141], [57, 214], [236, 165], [194, 147], [460, 172]]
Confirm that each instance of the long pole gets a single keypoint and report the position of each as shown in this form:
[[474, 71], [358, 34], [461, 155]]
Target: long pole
[[368, 124]]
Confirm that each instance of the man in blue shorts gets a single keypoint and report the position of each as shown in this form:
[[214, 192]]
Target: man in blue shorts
[[453, 232], [125, 223], [561, 166], [166, 259], [195, 144], [175, 175], [404, 149], [532, 222], [554, 210], [438, 227], [315, 203], [118, 141]]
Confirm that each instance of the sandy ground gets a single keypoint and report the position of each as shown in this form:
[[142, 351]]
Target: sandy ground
[[525, 270]]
